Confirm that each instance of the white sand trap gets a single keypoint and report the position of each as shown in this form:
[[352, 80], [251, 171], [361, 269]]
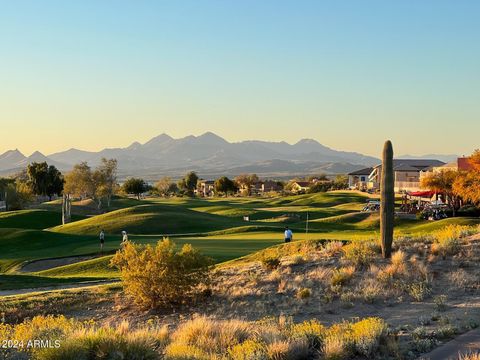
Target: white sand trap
[[40, 265]]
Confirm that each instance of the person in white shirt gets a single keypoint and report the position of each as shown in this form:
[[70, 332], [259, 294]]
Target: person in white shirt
[[288, 235], [124, 238]]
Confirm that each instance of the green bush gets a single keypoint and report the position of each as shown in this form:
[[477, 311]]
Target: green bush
[[155, 276]]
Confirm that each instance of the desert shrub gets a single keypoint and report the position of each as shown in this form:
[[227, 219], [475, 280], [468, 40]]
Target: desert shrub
[[342, 276], [44, 327], [469, 356], [185, 352], [418, 290], [297, 259], [304, 293], [360, 252], [396, 270], [446, 331], [154, 276], [248, 350], [338, 342], [209, 336], [296, 349], [312, 330], [86, 341], [367, 334], [369, 290], [423, 340], [105, 343], [270, 261], [440, 302], [332, 248], [448, 241]]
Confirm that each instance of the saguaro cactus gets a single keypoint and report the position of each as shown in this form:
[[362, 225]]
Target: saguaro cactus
[[387, 201]]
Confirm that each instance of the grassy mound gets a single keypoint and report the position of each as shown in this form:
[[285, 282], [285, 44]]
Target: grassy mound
[[32, 219], [97, 268], [150, 219]]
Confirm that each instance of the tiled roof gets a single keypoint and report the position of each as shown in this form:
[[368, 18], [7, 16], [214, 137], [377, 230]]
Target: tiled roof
[[366, 171]]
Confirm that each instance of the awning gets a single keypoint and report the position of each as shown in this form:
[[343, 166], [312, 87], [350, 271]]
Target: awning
[[424, 194]]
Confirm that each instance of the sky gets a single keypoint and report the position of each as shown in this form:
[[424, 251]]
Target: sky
[[92, 74]]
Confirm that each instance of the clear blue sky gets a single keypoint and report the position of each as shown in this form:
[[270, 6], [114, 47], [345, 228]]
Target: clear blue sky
[[350, 74]]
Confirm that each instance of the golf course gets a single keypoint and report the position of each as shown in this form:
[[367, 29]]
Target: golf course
[[38, 251]]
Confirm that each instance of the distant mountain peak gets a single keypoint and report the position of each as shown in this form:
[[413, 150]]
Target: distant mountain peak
[[159, 139], [36, 154], [308, 141], [206, 152], [212, 138], [134, 145]]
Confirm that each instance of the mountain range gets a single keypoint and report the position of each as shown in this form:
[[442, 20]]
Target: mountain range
[[208, 154]]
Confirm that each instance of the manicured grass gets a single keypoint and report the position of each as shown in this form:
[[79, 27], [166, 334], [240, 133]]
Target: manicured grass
[[96, 268], [150, 219], [32, 219], [14, 281], [215, 226], [90, 207], [19, 245], [425, 227]]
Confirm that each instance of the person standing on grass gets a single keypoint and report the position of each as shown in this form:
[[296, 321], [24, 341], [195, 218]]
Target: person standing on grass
[[288, 235], [102, 240], [124, 238]]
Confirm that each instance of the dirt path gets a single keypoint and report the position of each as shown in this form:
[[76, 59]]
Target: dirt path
[[76, 286], [463, 344], [46, 264]]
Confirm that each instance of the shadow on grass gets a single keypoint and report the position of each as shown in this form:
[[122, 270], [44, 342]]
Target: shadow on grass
[[14, 282]]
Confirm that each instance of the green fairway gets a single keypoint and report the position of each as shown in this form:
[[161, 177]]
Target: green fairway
[[150, 219], [32, 219], [11, 282]]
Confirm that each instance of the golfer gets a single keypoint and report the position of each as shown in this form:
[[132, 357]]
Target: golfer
[[124, 238], [102, 240], [288, 235]]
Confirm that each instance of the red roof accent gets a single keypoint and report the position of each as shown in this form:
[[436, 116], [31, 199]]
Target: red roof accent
[[463, 163], [425, 194]]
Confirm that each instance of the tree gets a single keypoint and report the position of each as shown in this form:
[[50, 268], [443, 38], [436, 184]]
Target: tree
[[340, 182], [165, 186], [44, 180], [467, 183], [320, 186], [15, 192], [189, 183], [135, 186], [246, 181], [474, 160], [225, 185], [105, 180], [467, 186], [320, 177], [79, 182], [442, 182], [160, 275]]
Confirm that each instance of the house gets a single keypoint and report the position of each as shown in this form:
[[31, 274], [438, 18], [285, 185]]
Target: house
[[206, 188], [462, 163], [299, 187], [359, 179], [270, 185], [407, 173]]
